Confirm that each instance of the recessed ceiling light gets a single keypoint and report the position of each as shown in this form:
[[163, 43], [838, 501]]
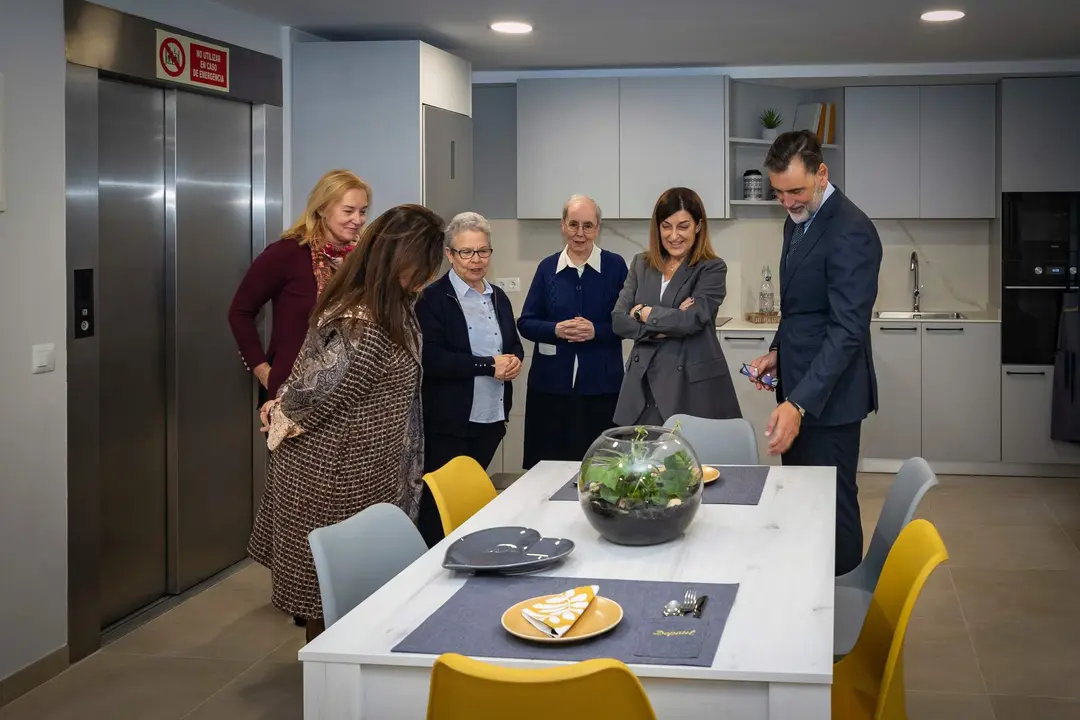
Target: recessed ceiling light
[[942, 15], [512, 28]]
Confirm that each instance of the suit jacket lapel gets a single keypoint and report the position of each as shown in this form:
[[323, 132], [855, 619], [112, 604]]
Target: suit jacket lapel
[[809, 240], [650, 288], [677, 281]]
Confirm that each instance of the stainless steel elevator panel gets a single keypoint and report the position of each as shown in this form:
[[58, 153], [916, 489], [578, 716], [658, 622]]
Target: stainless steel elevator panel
[[131, 334], [211, 399]]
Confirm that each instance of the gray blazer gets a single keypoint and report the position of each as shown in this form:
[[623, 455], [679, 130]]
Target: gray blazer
[[686, 368]]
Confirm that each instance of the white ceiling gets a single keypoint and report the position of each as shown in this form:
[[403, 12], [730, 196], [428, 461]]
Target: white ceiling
[[661, 33]]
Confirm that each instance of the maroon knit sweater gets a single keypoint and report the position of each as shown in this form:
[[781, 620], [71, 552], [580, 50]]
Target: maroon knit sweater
[[281, 275]]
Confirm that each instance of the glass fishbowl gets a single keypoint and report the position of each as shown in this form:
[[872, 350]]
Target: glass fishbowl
[[640, 485]]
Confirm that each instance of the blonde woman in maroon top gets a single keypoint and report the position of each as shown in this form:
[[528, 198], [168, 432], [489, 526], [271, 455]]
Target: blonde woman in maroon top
[[292, 273]]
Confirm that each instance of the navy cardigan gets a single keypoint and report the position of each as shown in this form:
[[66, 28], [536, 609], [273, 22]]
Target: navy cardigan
[[555, 297], [449, 364]]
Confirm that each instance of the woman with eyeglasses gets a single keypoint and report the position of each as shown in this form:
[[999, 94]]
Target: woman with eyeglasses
[[472, 352], [576, 368]]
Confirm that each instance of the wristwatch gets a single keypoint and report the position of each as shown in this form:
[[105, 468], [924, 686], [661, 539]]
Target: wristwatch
[[637, 314], [802, 412]]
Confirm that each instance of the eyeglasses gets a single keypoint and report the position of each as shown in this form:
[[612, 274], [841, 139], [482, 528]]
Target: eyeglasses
[[467, 253], [573, 226]]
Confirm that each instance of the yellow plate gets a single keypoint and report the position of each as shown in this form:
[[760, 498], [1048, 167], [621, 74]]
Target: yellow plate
[[602, 615], [709, 474]]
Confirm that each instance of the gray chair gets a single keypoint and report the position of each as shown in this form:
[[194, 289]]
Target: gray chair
[[356, 557], [855, 589], [719, 442]]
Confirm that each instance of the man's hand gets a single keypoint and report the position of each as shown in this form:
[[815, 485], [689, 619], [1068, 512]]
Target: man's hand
[[764, 365], [262, 374], [514, 369], [502, 365], [783, 428]]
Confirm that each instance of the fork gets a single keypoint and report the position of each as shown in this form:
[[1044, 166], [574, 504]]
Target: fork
[[689, 600]]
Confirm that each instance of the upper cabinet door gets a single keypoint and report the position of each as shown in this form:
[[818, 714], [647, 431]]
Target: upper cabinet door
[[881, 150], [958, 151], [1040, 142], [568, 143], [671, 134]]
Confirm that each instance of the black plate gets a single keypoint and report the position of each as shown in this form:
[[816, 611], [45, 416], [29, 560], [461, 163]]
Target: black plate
[[505, 549]]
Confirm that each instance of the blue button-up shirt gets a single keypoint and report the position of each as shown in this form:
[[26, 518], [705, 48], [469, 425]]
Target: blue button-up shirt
[[485, 340]]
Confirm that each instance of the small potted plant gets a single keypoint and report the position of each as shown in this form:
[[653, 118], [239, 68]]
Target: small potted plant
[[771, 120], [640, 485]]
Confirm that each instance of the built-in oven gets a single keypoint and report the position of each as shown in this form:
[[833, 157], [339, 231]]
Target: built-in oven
[[1040, 237]]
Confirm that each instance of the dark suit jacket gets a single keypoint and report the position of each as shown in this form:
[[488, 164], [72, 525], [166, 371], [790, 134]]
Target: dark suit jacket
[[827, 293], [449, 364], [686, 368]]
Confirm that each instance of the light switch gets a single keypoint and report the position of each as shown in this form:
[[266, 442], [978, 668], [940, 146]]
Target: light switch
[[44, 358]]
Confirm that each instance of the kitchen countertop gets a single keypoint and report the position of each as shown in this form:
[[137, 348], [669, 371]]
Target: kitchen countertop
[[991, 315]]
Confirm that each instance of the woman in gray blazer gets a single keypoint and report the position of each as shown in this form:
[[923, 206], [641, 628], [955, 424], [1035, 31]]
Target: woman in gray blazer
[[668, 307]]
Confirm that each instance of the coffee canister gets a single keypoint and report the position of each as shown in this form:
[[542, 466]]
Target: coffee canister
[[753, 185]]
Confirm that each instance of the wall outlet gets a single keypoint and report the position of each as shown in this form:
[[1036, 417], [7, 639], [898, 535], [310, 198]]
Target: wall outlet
[[509, 284]]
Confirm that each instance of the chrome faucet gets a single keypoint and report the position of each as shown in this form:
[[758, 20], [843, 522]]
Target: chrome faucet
[[915, 281]]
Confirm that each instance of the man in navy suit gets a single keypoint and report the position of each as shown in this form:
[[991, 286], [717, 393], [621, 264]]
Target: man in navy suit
[[821, 353]]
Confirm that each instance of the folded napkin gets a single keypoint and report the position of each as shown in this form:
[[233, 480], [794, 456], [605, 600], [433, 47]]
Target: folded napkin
[[556, 614]]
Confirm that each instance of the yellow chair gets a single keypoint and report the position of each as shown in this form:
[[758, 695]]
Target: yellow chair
[[467, 689], [868, 684], [460, 488]]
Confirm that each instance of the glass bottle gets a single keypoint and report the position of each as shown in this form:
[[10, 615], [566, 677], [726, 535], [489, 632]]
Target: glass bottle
[[766, 296]]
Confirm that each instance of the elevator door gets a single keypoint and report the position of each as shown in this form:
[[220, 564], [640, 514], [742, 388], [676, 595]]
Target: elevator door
[[214, 400], [131, 332], [176, 404]]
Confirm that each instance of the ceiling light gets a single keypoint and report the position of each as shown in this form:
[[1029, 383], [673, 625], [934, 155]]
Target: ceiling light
[[942, 15], [512, 28]]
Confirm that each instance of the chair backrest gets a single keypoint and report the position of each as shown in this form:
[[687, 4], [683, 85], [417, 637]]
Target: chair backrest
[[718, 442], [869, 682], [356, 557], [460, 488], [912, 482], [467, 689]]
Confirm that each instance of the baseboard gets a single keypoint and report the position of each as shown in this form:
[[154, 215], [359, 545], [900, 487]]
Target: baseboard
[[876, 465], [36, 673]]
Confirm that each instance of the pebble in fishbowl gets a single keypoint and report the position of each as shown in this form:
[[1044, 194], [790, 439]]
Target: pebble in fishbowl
[[640, 485]]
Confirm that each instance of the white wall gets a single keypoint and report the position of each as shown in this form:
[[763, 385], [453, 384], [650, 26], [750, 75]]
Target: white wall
[[33, 414]]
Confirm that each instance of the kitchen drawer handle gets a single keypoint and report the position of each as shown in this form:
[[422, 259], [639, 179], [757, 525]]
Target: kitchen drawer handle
[[898, 329], [1025, 372], [945, 329], [729, 338]]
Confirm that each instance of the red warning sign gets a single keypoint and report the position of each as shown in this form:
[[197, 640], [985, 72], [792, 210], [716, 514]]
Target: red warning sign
[[192, 62]]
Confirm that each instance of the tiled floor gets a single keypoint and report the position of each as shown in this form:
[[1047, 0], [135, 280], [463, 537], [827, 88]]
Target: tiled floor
[[996, 634]]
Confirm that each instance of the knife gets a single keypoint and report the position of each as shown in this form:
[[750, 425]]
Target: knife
[[700, 606]]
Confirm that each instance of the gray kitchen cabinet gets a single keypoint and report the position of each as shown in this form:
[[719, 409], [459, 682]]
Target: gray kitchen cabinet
[[448, 162], [661, 148], [567, 143], [1026, 392], [958, 151], [881, 150], [961, 392], [745, 346], [1040, 145], [895, 431]]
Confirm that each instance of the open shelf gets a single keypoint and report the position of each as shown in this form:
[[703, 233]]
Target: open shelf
[[766, 143]]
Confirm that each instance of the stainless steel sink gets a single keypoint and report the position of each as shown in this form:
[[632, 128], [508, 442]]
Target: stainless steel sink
[[923, 315]]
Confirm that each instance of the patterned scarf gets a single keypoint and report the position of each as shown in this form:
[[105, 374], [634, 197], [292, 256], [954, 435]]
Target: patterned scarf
[[325, 262]]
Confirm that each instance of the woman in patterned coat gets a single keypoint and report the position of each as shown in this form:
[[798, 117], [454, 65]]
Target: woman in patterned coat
[[346, 431]]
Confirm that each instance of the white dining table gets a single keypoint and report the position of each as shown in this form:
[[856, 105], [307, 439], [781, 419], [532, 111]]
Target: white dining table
[[775, 658]]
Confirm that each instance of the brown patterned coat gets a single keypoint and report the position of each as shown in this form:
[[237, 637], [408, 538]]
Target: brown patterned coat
[[346, 435]]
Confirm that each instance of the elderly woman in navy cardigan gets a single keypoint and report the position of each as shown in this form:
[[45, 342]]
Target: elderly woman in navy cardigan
[[471, 353], [577, 364]]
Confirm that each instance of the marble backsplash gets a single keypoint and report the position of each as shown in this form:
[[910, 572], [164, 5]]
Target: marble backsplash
[[954, 257]]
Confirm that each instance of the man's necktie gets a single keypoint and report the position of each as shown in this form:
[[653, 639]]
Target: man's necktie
[[796, 238]]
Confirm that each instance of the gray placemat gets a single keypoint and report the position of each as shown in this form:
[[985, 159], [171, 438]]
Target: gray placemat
[[470, 622], [737, 485]]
